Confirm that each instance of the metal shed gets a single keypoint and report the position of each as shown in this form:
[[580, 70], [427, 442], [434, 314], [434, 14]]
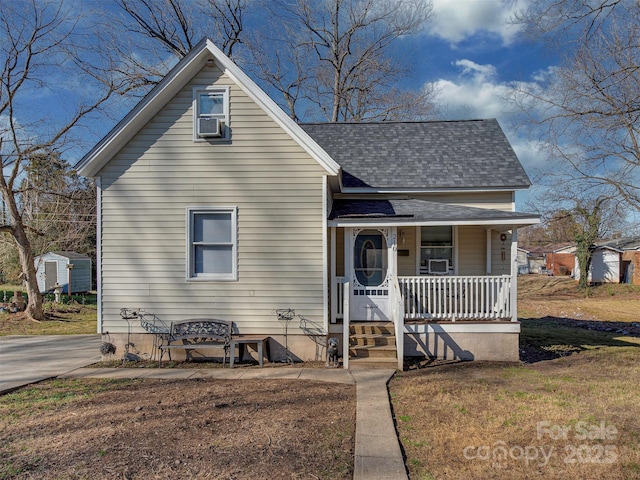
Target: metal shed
[[58, 267]]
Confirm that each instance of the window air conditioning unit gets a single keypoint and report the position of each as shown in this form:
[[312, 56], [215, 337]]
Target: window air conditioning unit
[[209, 127], [439, 267]]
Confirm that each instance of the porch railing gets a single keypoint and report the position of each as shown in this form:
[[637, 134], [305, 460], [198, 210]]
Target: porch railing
[[444, 298], [457, 297]]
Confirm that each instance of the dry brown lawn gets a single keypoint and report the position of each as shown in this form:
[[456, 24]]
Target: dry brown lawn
[[196, 429], [540, 296], [574, 416]]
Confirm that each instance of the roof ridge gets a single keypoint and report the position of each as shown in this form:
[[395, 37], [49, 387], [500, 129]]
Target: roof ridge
[[403, 122]]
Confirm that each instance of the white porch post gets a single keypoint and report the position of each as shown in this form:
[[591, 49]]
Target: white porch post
[[488, 251], [514, 275], [346, 314]]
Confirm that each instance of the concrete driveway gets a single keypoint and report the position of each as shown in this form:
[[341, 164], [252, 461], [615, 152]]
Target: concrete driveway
[[29, 359]]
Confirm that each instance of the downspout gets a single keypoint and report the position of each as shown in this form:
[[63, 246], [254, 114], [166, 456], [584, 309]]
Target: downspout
[[514, 275], [325, 256], [99, 250]]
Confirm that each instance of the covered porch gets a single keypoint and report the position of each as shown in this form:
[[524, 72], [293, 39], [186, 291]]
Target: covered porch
[[452, 275]]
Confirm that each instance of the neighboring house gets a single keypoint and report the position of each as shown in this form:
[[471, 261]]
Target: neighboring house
[[614, 261], [536, 260], [213, 203], [62, 268], [523, 261], [552, 259], [560, 260]]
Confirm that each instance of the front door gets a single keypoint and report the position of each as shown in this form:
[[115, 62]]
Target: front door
[[50, 275], [369, 296]]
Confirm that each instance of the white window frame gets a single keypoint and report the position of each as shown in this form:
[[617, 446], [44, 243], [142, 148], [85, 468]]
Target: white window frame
[[223, 117], [453, 266], [230, 276]]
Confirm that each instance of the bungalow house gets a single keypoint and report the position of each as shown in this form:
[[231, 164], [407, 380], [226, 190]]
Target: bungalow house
[[399, 239]]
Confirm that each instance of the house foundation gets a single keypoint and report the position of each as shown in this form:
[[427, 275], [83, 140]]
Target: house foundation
[[497, 341]]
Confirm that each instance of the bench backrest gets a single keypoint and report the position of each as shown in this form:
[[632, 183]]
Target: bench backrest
[[202, 327]]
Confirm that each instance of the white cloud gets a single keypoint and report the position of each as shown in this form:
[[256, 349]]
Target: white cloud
[[456, 20], [477, 93]]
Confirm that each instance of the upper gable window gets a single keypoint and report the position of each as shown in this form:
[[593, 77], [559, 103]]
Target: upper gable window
[[211, 114]]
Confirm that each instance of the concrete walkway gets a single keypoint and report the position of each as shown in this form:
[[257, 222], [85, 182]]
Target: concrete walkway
[[25, 360]]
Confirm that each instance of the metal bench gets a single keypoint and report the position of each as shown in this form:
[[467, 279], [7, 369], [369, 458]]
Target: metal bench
[[198, 334]]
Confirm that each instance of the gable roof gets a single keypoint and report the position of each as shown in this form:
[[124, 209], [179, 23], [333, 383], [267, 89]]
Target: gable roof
[[67, 254], [170, 85], [421, 156], [621, 244]]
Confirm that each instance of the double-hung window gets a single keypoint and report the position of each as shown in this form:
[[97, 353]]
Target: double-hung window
[[436, 250], [212, 243], [211, 114]]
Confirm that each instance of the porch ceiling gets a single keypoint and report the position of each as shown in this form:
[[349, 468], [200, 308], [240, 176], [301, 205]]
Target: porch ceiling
[[353, 212]]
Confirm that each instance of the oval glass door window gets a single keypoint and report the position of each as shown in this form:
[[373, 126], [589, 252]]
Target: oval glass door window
[[370, 258]]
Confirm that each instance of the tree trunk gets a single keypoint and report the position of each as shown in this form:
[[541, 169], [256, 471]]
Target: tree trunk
[[34, 304], [19, 233], [583, 254]]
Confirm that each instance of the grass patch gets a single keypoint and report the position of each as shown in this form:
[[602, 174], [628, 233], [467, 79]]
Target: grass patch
[[540, 296], [69, 317], [489, 420], [60, 320], [53, 394]]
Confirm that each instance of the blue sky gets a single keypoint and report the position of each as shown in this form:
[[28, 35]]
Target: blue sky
[[470, 51]]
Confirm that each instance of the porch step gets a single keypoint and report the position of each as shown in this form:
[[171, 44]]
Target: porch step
[[371, 363], [372, 345], [383, 328], [374, 351], [371, 339]]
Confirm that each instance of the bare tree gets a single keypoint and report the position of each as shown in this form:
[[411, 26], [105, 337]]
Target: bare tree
[[587, 110], [332, 58], [159, 33], [40, 50]]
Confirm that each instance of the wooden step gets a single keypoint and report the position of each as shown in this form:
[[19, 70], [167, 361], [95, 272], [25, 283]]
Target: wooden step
[[372, 345], [371, 339], [385, 328], [373, 351]]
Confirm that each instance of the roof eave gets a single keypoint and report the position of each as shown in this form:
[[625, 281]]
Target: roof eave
[[404, 191], [391, 222]]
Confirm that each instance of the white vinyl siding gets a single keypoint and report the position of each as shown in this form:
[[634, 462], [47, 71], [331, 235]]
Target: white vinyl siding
[[472, 250], [276, 187]]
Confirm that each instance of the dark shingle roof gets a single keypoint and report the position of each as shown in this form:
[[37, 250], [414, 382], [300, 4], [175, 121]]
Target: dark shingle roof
[[628, 243], [418, 210], [421, 155]]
